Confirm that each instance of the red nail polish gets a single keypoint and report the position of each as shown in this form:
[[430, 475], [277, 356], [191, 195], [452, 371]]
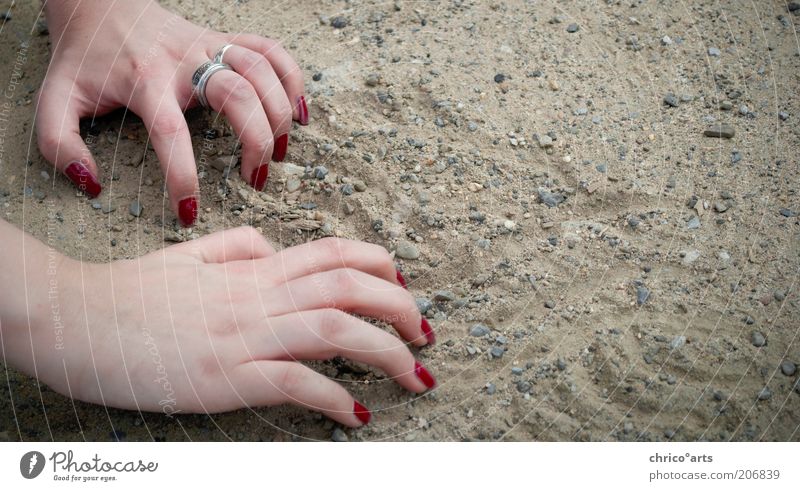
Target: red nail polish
[[426, 328], [401, 280], [302, 111], [424, 375], [187, 211], [279, 150], [259, 176], [361, 412], [83, 179]]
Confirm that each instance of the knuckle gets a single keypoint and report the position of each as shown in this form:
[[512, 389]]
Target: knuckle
[[252, 61], [332, 324], [241, 92], [169, 125], [291, 379]]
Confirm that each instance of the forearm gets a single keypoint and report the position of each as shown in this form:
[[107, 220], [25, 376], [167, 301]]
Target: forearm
[[29, 274]]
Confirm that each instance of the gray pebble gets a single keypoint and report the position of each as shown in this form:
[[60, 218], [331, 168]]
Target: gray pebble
[[642, 295], [572, 28], [545, 141], [720, 131], [561, 364], [517, 370], [479, 330], [693, 223], [714, 52], [788, 368], [758, 339], [491, 389], [339, 435], [444, 296], [497, 351], [339, 22], [764, 394], [407, 250], [423, 304], [670, 100], [550, 199], [135, 208], [347, 189], [523, 386], [677, 342], [320, 172]]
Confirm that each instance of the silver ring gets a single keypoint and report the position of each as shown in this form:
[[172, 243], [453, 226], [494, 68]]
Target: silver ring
[[201, 76], [221, 53]]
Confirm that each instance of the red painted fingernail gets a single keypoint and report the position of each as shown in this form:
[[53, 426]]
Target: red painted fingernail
[[83, 179], [279, 150], [259, 176], [401, 280], [361, 412], [424, 375], [302, 111], [187, 211], [426, 328]]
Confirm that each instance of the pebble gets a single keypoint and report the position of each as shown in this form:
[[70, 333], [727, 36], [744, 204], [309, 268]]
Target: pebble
[[497, 351], [320, 172], [693, 223], [764, 394], [407, 250], [293, 185], [423, 304], [572, 28], [642, 295], [479, 330], [444, 296], [545, 141], [550, 304], [714, 52], [517, 370], [758, 339], [720, 131], [677, 342], [491, 389], [550, 199], [339, 435], [788, 368], [523, 386], [499, 78], [347, 189], [561, 364], [671, 100], [339, 22], [135, 208], [360, 186]]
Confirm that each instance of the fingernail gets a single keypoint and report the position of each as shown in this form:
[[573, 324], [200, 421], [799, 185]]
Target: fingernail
[[302, 111], [361, 412], [424, 375], [83, 179], [401, 280], [187, 211], [279, 150], [426, 328], [259, 176]]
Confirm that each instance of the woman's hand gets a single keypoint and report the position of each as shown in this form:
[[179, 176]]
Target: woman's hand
[[135, 54], [217, 324]]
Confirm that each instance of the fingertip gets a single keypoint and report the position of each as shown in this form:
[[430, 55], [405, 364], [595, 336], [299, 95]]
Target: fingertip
[[302, 110], [362, 413], [78, 172], [258, 178], [187, 211]]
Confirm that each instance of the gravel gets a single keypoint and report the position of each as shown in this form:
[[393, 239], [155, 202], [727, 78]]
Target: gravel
[[550, 199], [135, 208], [720, 131], [764, 394], [788, 368], [497, 351], [423, 304], [479, 330], [758, 339], [642, 295], [339, 22], [572, 28]]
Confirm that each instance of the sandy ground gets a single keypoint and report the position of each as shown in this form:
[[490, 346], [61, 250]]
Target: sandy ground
[[455, 124]]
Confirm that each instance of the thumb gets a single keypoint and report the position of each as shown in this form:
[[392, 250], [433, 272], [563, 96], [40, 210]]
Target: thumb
[[59, 138]]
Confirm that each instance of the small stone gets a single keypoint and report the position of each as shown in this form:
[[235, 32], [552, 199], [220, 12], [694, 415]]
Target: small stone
[[407, 250], [293, 185], [226, 162], [517, 370], [491, 389], [316, 77], [786, 212], [339, 22], [523, 386], [444, 296], [714, 52], [545, 141], [360, 186], [693, 223], [320, 172], [677, 342], [474, 187], [788, 368], [499, 78], [720, 207], [572, 28], [497, 351], [720, 131], [339, 435], [764, 394], [510, 225], [135, 208], [479, 330], [347, 189], [550, 199], [670, 100], [758, 339], [373, 80], [561, 364], [642, 295], [424, 305], [550, 304]]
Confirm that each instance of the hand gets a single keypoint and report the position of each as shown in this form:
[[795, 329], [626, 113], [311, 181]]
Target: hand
[[219, 323], [135, 54]]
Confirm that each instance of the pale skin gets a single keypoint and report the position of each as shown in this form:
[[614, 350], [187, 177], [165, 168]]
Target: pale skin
[[210, 325], [136, 54]]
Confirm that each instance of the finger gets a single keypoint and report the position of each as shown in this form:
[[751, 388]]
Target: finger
[[353, 291], [269, 383], [257, 70], [285, 67], [172, 142], [230, 93], [236, 244], [326, 333], [328, 254], [59, 138]]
